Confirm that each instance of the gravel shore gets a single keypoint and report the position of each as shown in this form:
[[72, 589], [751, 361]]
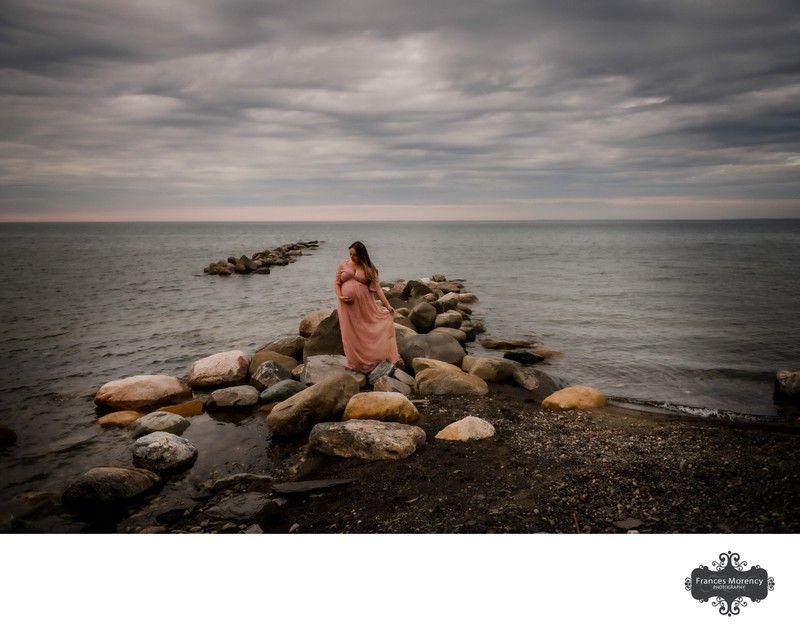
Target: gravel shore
[[605, 470]]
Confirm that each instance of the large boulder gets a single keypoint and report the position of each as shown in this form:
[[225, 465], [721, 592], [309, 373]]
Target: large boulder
[[320, 367], [103, 487], [260, 357], [163, 452], [489, 369], [414, 290], [458, 334], [575, 397], [228, 368], [381, 406], [269, 373], [466, 429], [367, 439], [436, 381], [449, 301], [317, 403], [142, 392], [234, 397], [423, 316], [159, 421], [436, 345], [291, 346], [787, 385], [326, 339], [450, 319], [310, 322]]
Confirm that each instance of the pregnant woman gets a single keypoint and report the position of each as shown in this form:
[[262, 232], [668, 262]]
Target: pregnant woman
[[367, 330]]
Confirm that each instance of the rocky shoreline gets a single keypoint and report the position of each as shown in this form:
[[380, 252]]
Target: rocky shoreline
[[447, 442], [261, 262]]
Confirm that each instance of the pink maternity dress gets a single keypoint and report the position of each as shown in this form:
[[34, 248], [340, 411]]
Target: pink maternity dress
[[367, 329]]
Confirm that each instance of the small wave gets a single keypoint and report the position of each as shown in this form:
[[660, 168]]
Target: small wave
[[691, 411]]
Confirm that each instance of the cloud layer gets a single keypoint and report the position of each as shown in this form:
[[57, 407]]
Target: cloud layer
[[152, 108]]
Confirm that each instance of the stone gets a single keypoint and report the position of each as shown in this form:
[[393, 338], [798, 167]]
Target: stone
[[403, 377], [423, 316], [268, 374], [466, 429], [435, 345], [305, 487], [291, 346], [326, 339], [320, 367], [449, 301], [386, 384], [414, 290], [505, 343], [458, 334], [438, 382], [467, 297], [191, 408], [103, 487], [119, 419], [575, 397], [420, 364], [381, 406], [163, 452], [489, 369], [367, 439], [787, 385], [259, 357], [142, 392], [546, 353], [159, 421], [233, 397], [228, 368], [538, 383], [523, 356], [402, 331], [317, 403], [451, 319], [310, 322], [628, 523], [250, 506], [281, 391]]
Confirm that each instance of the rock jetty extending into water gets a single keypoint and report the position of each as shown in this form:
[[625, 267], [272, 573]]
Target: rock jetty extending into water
[[261, 262]]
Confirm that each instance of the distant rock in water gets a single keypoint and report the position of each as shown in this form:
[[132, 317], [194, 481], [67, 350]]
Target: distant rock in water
[[261, 262]]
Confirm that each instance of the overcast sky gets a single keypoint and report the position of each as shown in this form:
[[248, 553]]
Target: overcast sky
[[399, 109]]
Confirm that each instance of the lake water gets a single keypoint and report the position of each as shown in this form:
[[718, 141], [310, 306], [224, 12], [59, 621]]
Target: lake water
[[695, 316]]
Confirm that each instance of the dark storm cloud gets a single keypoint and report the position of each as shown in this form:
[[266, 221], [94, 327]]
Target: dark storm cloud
[[247, 102]]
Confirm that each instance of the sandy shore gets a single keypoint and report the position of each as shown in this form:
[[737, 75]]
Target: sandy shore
[[605, 470]]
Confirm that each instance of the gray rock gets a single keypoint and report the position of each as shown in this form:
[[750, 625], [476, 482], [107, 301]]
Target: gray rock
[[291, 346], [109, 486], [423, 316], [787, 385], [435, 345], [233, 397], [523, 356], [159, 421], [386, 384], [366, 439], [281, 391], [268, 374], [326, 339], [250, 506], [320, 367], [317, 403], [414, 290], [450, 319], [227, 368], [538, 383], [163, 452]]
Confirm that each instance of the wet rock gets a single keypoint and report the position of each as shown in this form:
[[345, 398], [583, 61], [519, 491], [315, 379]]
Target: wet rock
[[227, 368], [320, 367], [367, 439], [787, 385], [435, 345], [186, 409], [466, 429], [381, 406], [317, 403], [281, 391], [489, 369], [575, 397], [523, 356], [142, 392], [163, 452], [538, 383], [159, 421], [259, 357], [234, 397], [219, 484], [119, 419], [291, 346], [250, 506], [505, 343], [109, 486], [268, 374], [310, 322], [326, 339]]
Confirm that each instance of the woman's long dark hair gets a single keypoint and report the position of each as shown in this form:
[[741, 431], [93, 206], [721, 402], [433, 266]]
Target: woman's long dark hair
[[370, 271]]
